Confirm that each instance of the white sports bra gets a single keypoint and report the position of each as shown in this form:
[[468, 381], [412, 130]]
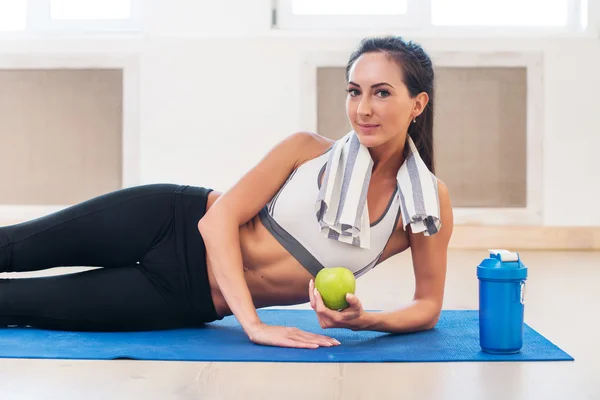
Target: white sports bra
[[291, 218]]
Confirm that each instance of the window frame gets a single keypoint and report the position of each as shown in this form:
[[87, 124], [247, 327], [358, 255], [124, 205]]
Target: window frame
[[418, 20]]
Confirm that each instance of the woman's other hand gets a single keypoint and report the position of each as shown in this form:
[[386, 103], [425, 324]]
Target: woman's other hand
[[283, 336], [351, 317]]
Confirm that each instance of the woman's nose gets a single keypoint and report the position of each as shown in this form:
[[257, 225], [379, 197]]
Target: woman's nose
[[364, 108]]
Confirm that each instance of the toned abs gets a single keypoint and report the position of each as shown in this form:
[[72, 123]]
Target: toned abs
[[273, 275]]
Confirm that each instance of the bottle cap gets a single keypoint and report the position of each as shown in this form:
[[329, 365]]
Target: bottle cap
[[502, 265]]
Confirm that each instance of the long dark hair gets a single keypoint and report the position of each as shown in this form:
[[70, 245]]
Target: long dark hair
[[418, 76]]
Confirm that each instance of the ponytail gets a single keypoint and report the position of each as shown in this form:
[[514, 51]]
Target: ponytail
[[421, 133]]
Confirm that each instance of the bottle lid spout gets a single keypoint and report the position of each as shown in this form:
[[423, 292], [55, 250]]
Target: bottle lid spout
[[502, 265], [504, 255]]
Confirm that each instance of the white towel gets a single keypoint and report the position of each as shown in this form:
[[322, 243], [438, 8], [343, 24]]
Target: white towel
[[341, 205]]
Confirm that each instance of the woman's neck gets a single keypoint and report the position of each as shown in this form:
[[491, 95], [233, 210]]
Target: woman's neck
[[387, 158]]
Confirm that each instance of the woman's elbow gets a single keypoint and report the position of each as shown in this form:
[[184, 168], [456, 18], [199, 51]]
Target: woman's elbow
[[433, 317], [208, 219], [432, 322]]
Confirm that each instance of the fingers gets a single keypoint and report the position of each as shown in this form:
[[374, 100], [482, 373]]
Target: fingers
[[291, 337], [318, 342], [314, 338], [351, 299], [327, 317], [321, 307], [315, 304], [311, 295], [298, 344], [304, 343], [354, 310], [354, 302]]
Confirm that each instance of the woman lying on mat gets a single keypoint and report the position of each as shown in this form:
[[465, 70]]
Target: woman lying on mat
[[175, 256]]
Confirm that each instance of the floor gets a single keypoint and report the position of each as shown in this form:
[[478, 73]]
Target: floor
[[561, 303]]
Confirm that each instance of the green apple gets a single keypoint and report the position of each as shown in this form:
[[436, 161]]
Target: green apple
[[333, 284]]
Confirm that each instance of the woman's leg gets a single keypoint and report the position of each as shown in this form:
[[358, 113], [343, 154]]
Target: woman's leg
[[105, 299], [111, 230], [134, 230]]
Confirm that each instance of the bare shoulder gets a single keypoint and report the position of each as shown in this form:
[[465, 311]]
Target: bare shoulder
[[257, 186], [314, 138], [446, 214], [310, 145]]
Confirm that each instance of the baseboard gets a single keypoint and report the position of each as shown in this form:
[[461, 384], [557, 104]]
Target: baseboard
[[525, 237]]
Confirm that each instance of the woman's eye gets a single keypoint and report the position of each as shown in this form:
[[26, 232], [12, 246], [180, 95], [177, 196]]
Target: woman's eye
[[383, 93], [353, 92]]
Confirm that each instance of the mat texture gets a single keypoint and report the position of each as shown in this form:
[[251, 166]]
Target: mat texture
[[455, 338]]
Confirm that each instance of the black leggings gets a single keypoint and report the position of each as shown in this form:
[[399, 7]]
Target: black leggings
[[146, 240]]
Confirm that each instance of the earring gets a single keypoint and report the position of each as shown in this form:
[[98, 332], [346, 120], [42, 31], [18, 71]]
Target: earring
[[415, 120]]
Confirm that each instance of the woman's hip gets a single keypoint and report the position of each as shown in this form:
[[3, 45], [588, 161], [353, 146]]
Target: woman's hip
[[190, 207]]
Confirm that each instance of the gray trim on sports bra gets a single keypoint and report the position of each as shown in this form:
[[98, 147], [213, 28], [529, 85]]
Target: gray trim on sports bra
[[296, 249], [307, 260]]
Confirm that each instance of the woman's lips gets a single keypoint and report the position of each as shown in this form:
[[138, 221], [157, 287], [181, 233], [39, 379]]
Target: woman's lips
[[368, 128]]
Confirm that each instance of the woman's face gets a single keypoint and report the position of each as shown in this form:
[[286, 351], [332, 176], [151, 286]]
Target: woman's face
[[379, 105]]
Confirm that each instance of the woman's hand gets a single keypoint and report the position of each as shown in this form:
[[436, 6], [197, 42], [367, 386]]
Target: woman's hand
[[284, 336], [351, 317]]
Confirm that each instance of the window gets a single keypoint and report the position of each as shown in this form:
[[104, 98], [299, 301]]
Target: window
[[583, 14], [90, 9], [500, 13], [348, 14], [70, 16], [348, 7], [13, 15], [87, 16], [437, 16]]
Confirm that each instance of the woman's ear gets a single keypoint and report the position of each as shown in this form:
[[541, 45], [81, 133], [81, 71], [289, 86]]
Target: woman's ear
[[420, 103]]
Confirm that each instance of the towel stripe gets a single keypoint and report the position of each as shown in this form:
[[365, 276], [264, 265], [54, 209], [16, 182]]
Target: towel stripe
[[362, 202], [417, 189], [354, 145]]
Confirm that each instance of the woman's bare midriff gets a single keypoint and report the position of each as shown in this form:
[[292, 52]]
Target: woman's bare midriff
[[273, 275]]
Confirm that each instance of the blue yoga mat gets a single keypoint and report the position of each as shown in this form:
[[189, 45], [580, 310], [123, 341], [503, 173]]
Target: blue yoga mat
[[455, 338]]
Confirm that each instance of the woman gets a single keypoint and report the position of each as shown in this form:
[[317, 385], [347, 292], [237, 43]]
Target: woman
[[179, 256]]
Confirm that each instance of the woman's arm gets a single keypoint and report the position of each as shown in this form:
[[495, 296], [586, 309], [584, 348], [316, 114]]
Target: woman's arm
[[429, 254], [419, 315], [221, 236], [220, 231]]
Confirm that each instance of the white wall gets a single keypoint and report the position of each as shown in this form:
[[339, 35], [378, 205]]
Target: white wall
[[217, 89]]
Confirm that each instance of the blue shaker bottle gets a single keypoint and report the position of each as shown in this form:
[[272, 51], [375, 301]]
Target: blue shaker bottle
[[501, 302]]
